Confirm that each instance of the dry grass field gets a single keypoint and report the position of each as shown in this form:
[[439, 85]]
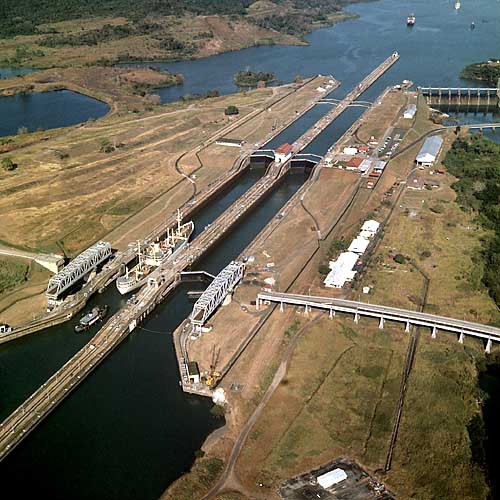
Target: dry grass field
[[67, 192]]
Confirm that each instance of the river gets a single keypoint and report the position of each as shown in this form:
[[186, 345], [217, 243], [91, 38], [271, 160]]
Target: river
[[128, 431]]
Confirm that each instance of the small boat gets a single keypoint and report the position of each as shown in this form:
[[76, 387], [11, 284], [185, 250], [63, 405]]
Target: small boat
[[410, 20], [91, 318], [472, 26], [457, 5]]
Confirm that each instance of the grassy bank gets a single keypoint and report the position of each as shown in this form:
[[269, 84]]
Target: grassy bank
[[13, 272]]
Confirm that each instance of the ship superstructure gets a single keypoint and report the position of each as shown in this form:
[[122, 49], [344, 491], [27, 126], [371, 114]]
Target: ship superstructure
[[154, 255], [410, 20]]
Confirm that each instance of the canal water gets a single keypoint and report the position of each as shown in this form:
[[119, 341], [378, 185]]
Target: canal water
[[128, 431]]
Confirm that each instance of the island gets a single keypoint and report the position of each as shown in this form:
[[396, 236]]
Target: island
[[249, 78], [487, 71]]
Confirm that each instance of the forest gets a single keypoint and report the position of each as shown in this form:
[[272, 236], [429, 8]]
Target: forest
[[475, 161], [23, 17]]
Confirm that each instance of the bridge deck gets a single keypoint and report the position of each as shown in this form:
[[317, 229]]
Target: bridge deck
[[390, 313]]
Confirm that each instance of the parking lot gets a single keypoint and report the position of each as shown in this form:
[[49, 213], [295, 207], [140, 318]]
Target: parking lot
[[390, 143]]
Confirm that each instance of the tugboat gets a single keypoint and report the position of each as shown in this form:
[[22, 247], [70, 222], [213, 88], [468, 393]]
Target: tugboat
[[410, 20], [91, 318]]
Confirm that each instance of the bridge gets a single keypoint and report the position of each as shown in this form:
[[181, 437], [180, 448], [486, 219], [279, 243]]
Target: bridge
[[221, 286], [383, 313], [79, 267], [482, 126], [161, 282]]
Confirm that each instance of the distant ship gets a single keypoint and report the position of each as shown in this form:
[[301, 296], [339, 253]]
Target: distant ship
[[410, 20], [472, 26], [91, 318], [457, 5], [154, 255]]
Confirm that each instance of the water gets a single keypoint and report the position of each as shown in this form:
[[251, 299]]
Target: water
[[11, 72], [128, 431], [433, 52], [472, 115], [489, 382]]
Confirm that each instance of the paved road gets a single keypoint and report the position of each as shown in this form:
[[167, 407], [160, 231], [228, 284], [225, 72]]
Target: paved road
[[432, 321]]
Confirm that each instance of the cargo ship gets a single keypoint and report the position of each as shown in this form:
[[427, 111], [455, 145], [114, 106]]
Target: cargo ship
[[154, 255], [91, 318], [410, 20]]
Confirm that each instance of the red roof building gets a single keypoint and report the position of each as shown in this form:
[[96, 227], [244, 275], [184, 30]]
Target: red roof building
[[354, 162], [363, 148], [284, 149]]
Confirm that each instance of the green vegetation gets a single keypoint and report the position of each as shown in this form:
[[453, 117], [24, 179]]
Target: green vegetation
[[8, 164], [12, 273], [231, 110], [476, 163], [399, 258], [249, 78], [488, 71]]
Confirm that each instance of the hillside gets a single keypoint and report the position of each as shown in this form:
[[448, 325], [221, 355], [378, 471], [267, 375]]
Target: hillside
[[48, 33]]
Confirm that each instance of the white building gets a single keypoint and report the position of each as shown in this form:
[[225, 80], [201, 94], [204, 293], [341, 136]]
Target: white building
[[370, 226], [341, 270], [429, 151], [332, 477], [359, 245], [410, 111], [349, 150], [224, 141], [283, 153]]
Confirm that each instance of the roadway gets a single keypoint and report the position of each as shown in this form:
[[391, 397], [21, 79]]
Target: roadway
[[432, 321]]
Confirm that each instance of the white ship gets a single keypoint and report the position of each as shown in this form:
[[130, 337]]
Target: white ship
[[154, 255], [457, 5]]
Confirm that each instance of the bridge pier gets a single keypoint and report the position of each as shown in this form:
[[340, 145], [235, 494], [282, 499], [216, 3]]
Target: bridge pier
[[331, 314], [461, 338], [407, 327], [282, 307], [306, 309], [434, 332], [356, 317], [381, 322], [488, 346]]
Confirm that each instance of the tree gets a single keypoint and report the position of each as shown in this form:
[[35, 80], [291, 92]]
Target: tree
[[231, 110], [8, 164]]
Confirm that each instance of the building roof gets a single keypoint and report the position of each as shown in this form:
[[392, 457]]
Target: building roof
[[359, 245], [341, 270], [284, 149], [410, 110], [192, 367], [380, 165], [365, 165], [430, 149], [225, 140], [370, 225], [354, 162], [332, 477]]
